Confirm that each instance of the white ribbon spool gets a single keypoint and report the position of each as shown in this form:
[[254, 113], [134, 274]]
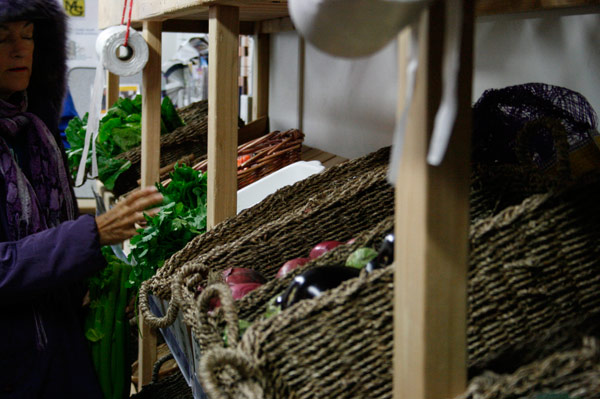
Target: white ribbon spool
[[122, 61]]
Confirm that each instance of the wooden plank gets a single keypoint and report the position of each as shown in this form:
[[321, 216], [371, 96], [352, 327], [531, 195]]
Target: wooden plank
[[150, 157], [250, 10], [201, 26], [431, 232], [277, 25], [253, 130], [222, 113], [112, 89], [260, 76], [334, 161], [308, 153], [492, 7]]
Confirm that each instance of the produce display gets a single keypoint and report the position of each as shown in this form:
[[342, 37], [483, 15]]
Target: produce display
[[107, 326], [314, 282], [309, 284], [181, 218], [119, 131]]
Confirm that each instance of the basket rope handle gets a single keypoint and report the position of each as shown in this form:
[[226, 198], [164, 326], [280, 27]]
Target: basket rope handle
[[208, 334], [559, 138], [150, 318], [248, 386]]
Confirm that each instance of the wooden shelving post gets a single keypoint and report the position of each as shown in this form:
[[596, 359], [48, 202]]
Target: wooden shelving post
[[223, 66], [260, 75], [431, 231], [150, 163], [112, 89]]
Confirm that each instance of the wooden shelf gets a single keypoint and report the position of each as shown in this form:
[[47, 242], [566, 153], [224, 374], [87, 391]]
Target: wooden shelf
[[326, 158], [110, 11], [495, 7]]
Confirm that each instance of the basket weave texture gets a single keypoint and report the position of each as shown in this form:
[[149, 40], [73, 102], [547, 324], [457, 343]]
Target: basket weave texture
[[339, 345], [352, 209], [534, 270], [302, 198], [265, 155], [563, 375], [533, 267]]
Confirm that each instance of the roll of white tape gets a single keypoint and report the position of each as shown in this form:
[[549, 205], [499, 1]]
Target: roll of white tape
[[117, 59]]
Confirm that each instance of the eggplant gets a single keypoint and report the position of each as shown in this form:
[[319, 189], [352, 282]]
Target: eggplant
[[385, 254], [314, 282]]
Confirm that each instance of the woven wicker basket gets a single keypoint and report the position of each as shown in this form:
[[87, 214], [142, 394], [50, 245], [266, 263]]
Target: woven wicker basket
[[534, 269], [563, 375], [265, 155], [353, 209], [302, 197], [339, 345]]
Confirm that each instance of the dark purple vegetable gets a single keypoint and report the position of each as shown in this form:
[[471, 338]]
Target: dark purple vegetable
[[385, 254], [312, 283]]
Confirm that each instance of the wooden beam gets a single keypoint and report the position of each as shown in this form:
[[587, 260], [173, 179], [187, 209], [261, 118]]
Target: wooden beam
[[150, 163], [201, 26], [431, 231], [277, 25], [223, 70], [493, 7], [260, 76], [112, 89]]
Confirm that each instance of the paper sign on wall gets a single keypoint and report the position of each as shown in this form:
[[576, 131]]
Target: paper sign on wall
[[74, 8]]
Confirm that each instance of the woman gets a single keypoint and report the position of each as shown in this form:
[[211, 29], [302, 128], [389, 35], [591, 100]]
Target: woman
[[46, 250]]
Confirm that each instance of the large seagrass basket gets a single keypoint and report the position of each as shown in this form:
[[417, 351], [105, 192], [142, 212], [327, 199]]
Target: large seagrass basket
[[339, 345], [534, 270], [569, 374], [303, 197], [354, 210]]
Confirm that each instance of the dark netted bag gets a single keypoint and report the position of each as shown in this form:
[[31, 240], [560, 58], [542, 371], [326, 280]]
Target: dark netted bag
[[302, 197], [339, 345], [529, 139], [563, 375], [534, 268], [358, 209]]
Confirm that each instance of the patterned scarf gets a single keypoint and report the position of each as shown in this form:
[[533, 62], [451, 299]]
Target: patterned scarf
[[43, 199]]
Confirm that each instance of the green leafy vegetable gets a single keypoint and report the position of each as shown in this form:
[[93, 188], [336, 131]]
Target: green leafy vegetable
[[361, 257], [119, 131], [106, 327], [181, 218]]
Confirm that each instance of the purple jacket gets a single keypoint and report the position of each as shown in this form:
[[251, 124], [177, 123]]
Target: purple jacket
[[43, 353]]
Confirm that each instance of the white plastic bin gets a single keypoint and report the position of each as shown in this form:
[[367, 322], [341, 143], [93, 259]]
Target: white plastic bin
[[253, 193]]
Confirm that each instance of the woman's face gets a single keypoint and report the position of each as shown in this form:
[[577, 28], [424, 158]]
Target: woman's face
[[16, 56]]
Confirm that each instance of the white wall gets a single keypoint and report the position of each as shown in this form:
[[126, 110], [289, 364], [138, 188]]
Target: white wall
[[349, 106], [554, 49]]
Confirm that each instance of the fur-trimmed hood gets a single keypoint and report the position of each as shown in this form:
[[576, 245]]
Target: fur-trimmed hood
[[48, 79]]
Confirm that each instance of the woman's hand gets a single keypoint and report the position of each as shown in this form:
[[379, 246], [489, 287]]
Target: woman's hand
[[118, 224]]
